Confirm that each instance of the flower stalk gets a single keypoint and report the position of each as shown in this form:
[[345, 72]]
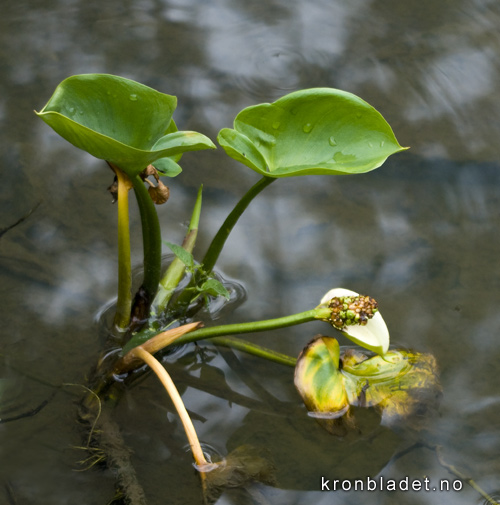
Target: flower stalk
[[320, 313]]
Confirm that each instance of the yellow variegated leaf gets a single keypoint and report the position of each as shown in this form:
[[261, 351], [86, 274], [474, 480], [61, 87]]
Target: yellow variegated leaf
[[321, 384], [402, 385]]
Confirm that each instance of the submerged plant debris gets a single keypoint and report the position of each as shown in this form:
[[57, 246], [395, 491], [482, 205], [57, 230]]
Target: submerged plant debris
[[242, 467]]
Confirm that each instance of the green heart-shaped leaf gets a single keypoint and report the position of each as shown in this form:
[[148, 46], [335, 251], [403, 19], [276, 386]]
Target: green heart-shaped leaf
[[120, 121], [310, 132]]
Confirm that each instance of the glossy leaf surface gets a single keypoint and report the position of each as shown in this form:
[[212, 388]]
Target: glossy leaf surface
[[120, 121], [309, 132], [401, 385]]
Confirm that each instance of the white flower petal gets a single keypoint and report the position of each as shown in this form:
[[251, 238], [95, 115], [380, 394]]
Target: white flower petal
[[336, 293], [374, 335]]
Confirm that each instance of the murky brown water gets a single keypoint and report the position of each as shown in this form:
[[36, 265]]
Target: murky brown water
[[420, 234]]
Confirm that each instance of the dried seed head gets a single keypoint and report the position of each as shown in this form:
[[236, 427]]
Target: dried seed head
[[159, 194], [150, 170]]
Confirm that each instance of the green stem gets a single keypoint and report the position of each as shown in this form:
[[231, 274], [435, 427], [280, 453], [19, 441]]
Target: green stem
[[219, 240], [176, 270], [124, 300], [256, 326], [151, 238], [255, 350]]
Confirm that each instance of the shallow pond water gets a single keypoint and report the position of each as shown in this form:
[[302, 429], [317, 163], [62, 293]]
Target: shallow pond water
[[419, 234]]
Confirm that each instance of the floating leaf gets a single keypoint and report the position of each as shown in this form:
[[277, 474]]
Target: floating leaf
[[321, 384], [121, 121], [312, 131], [401, 385]]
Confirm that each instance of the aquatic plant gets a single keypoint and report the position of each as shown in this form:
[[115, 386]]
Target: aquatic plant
[[130, 126], [313, 132]]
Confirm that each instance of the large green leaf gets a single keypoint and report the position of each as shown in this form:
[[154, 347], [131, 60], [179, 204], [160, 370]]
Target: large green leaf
[[401, 385], [312, 131], [120, 121]]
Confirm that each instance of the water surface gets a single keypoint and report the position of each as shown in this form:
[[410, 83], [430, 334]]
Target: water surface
[[420, 235]]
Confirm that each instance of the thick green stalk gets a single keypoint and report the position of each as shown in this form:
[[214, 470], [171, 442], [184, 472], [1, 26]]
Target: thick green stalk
[[176, 270], [151, 238], [255, 350], [124, 300], [220, 238], [255, 326]]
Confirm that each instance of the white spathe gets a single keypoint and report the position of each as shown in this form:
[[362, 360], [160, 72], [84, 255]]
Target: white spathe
[[374, 335]]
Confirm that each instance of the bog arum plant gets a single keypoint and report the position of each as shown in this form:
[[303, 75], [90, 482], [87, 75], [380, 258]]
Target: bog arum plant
[[319, 131], [316, 131]]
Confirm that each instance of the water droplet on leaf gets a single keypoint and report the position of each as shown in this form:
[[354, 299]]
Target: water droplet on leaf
[[332, 141], [276, 125], [133, 97], [340, 157], [307, 127], [265, 139]]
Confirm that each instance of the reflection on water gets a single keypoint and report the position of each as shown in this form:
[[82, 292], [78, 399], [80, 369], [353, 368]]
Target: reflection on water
[[420, 234]]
